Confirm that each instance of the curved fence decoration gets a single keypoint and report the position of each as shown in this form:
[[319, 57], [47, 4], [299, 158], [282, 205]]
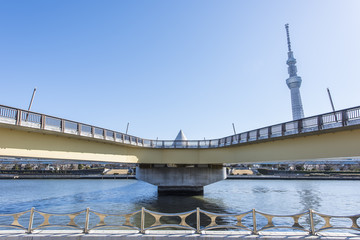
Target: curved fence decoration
[[15, 220], [46, 220], [296, 225], [355, 220], [127, 220], [157, 224], [197, 221], [342, 118]]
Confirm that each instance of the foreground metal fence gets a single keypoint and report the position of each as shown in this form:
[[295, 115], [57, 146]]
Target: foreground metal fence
[[19, 117], [197, 221]]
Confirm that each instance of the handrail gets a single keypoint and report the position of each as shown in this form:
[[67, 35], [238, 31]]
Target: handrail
[[197, 221], [330, 120]]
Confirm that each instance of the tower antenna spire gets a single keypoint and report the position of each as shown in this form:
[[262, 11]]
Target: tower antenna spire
[[294, 81], [288, 36]]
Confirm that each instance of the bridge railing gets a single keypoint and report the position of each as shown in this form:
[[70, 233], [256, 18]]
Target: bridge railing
[[342, 118], [196, 221]]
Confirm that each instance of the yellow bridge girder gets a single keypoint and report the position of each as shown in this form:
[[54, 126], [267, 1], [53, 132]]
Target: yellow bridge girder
[[17, 141]]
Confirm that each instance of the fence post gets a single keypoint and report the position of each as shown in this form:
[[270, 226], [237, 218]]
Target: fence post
[[320, 122], [42, 121], [198, 220], [269, 132], [299, 125], [142, 223], [312, 227], [79, 129], [31, 220], [283, 129], [92, 131], [18, 117], [254, 222], [62, 125], [344, 117], [86, 227]]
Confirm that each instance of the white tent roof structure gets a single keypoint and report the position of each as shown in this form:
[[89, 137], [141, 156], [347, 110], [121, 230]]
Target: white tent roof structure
[[181, 136]]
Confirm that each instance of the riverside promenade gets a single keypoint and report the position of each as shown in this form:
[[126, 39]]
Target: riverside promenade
[[170, 235]]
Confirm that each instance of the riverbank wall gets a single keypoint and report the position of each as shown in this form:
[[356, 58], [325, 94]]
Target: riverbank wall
[[290, 177], [72, 176], [229, 177]]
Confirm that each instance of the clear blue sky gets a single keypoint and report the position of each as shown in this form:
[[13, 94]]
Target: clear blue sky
[[196, 65]]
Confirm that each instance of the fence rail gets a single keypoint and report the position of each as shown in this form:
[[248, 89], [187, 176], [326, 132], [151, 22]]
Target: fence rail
[[338, 119], [198, 221]]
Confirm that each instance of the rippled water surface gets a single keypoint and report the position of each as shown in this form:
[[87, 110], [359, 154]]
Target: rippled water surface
[[228, 196]]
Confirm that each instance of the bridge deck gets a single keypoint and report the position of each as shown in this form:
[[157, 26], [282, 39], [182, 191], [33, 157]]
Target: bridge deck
[[34, 135], [323, 122]]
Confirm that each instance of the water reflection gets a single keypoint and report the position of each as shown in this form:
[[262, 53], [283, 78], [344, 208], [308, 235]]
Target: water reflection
[[173, 204], [309, 199]]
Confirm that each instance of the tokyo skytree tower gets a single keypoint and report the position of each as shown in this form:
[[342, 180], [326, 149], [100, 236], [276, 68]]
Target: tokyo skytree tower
[[293, 82]]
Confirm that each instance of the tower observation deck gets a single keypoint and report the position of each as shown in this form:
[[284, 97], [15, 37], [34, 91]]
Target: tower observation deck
[[293, 82]]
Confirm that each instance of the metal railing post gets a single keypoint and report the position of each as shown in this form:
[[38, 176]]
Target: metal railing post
[[283, 129], [42, 122], [299, 125], [254, 222], [79, 129], [104, 134], [312, 227], [86, 227], [344, 117], [31, 220], [269, 132], [142, 223], [92, 131], [198, 220], [257, 134], [320, 122], [18, 117], [62, 125]]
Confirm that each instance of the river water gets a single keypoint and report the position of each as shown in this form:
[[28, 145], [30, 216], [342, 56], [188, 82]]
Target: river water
[[280, 197]]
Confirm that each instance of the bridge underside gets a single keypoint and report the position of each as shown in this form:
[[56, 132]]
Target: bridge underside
[[183, 179], [34, 143]]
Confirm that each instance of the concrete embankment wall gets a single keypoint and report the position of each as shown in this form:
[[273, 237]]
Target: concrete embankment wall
[[54, 176]]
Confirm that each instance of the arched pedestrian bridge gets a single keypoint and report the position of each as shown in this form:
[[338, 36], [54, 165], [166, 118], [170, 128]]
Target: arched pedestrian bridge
[[34, 135]]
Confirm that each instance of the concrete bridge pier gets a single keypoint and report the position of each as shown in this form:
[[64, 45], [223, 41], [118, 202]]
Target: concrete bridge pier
[[180, 179]]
